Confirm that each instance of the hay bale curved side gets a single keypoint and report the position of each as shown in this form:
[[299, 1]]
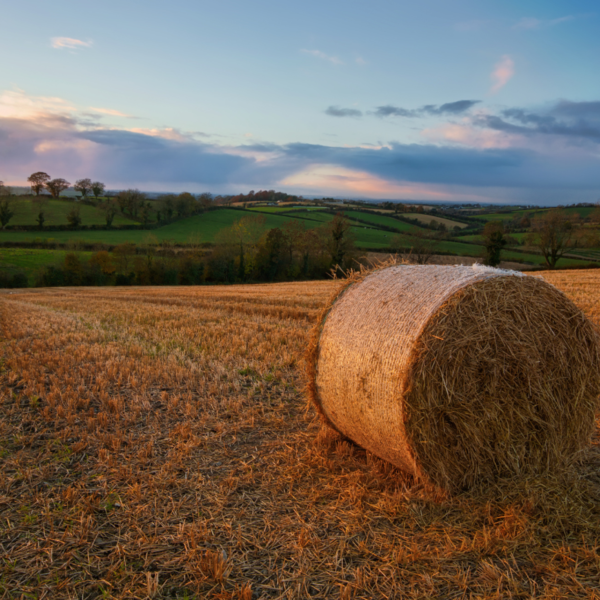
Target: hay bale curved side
[[457, 374]]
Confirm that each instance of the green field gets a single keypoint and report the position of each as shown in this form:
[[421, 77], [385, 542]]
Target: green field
[[284, 209], [381, 220], [205, 227], [583, 212], [449, 223], [31, 260], [55, 212], [197, 229]]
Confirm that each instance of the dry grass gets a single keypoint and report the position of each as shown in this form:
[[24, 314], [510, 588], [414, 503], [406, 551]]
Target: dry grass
[[157, 443]]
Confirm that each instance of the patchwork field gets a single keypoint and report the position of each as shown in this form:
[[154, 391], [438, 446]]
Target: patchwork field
[[157, 443]]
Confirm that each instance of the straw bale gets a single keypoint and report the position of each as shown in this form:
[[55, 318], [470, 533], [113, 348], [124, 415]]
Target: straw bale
[[457, 375]]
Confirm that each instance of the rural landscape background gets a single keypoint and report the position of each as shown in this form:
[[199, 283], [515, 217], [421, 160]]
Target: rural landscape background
[[183, 188], [130, 238]]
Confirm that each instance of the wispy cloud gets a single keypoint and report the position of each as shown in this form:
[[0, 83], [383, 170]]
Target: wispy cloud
[[16, 104], [503, 72], [449, 108], [111, 112], [334, 60], [359, 60], [389, 110], [533, 23], [69, 43], [338, 111]]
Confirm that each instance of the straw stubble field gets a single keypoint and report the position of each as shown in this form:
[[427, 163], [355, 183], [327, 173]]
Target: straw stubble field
[[157, 443]]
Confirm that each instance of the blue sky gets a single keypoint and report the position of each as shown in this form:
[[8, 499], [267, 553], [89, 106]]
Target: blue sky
[[435, 100]]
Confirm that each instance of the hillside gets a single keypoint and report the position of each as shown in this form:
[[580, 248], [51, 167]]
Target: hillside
[[376, 230]]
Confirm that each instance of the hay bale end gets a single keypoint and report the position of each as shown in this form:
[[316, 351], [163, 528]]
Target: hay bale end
[[457, 375]]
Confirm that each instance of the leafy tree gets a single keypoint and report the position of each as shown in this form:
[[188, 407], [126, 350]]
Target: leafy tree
[[103, 261], [83, 186], [41, 203], [110, 210], [340, 241], [73, 269], [56, 186], [271, 254], [205, 200], [122, 257], [6, 212], [493, 240], [168, 205], [145, 214], [243, 232], [293, 234], [131, 201], [185, 204], [38, 180], [98, 188], [74, 217], [554, 234]]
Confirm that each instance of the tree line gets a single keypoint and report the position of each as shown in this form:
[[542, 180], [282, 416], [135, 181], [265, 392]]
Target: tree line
[[244, 253]]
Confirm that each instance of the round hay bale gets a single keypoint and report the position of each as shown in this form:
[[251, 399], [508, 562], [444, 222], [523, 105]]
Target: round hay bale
[[457, 375]]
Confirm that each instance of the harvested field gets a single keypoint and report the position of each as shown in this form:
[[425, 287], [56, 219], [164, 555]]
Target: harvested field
[[157, 443]]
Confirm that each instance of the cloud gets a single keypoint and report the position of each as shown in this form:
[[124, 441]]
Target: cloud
[[334, 60], [69, 43], [503, 72], [18, 104], [394, 111], [337, 111], [450, 108], [580, 110], [153, 159], [533, 23], [468, 134], [359, 60], [111, 112], [577, 121]]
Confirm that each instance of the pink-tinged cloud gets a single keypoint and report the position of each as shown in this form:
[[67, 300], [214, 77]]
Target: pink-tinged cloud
[[17, 104], [503, 72], [69, 43], [466, 134], [337, 180], [110, 111]]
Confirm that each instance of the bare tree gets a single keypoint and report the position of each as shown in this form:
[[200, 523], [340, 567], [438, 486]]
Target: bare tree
[[56, 186], [98, 188], [83, 186], [554, 234], [422, 247], [38, 180]]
